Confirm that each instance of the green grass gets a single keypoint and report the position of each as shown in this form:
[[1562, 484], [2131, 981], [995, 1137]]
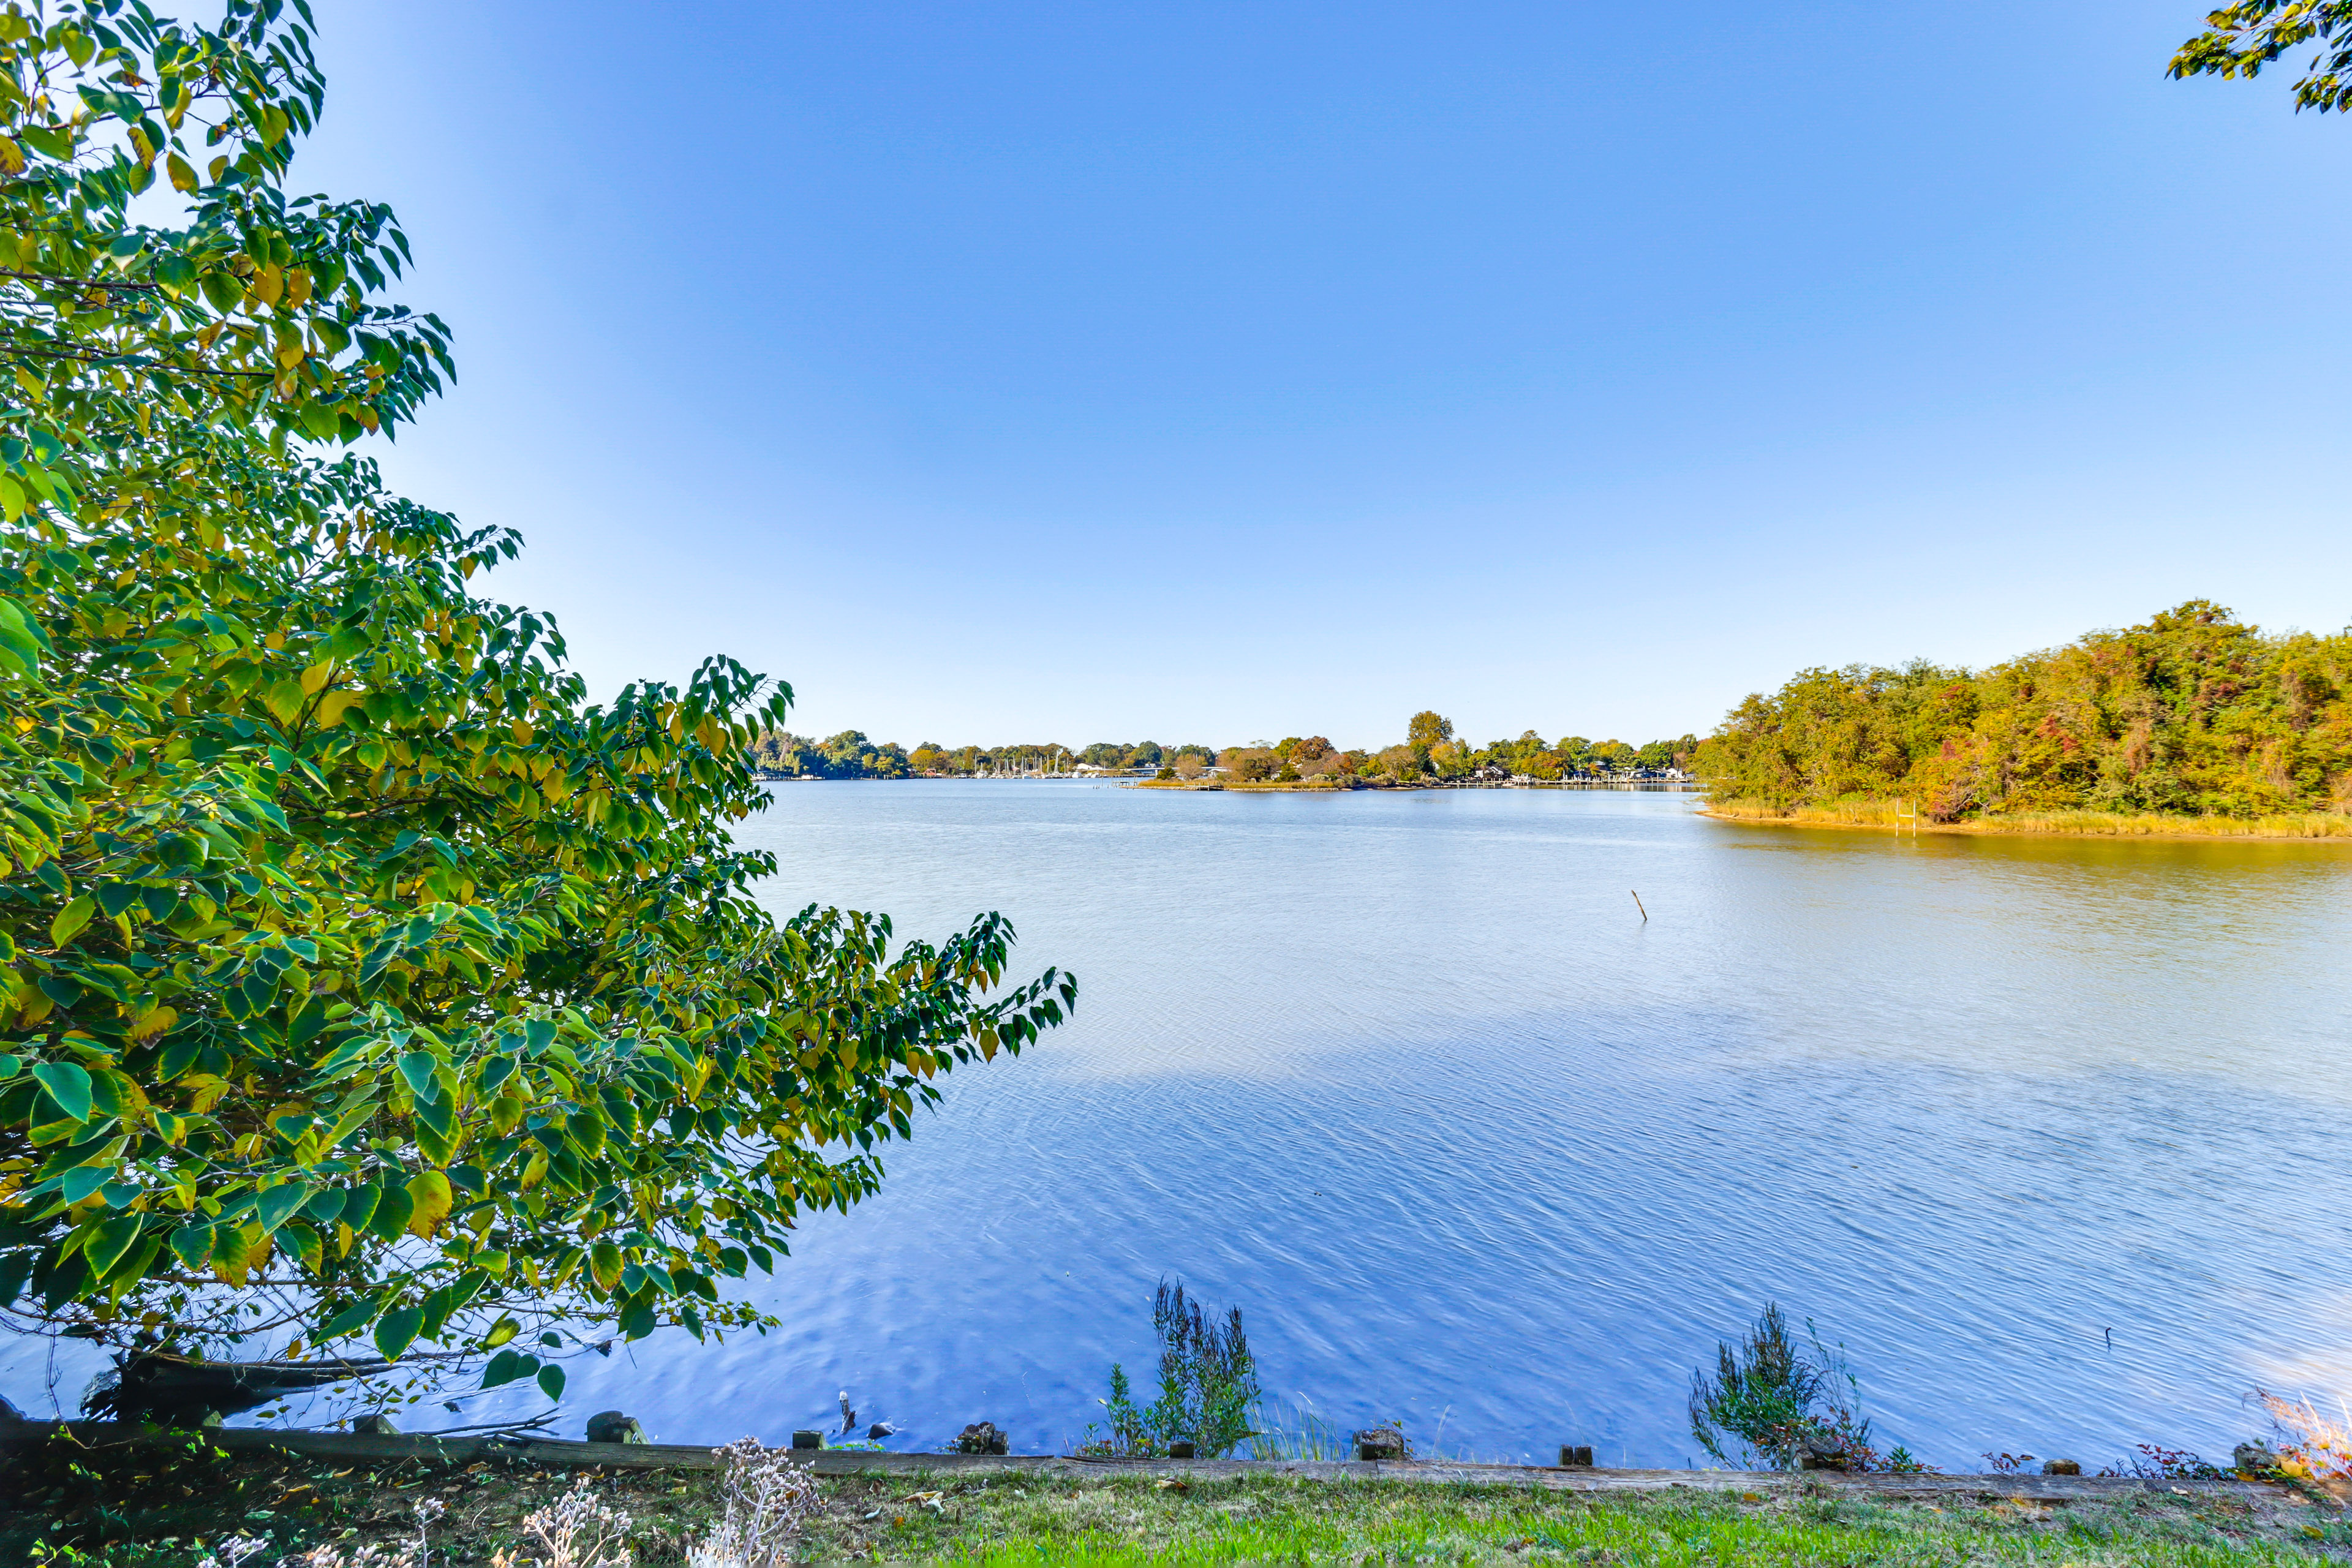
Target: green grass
[[143, 1509], [1273, 1519]]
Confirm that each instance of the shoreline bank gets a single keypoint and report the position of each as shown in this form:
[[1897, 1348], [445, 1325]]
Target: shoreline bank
[[110, 1495], [2301, 827]]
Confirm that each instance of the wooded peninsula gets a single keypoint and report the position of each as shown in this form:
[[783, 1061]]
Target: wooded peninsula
[[2192, 716]]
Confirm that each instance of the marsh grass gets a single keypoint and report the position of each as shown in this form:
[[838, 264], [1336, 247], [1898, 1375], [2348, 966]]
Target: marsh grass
[[1294, 1431], [1889, 815]]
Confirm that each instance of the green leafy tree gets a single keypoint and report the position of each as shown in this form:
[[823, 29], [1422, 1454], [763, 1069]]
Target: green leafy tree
[[1248, 764], [2193, 712], [2240, 40], [1426, 730], [359, 976]]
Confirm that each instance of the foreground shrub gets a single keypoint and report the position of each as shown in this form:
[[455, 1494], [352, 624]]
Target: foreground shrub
[[361, 977]]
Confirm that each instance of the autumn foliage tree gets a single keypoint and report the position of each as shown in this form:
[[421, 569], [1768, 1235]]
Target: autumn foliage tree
[[360, 978], [2193, 712]]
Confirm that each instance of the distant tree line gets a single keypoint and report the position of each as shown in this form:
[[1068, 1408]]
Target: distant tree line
[[1430, 750], [2194, 712], [850, 755]]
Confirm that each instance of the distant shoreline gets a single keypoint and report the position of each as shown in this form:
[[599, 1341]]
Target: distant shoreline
[[1880, 816], [1213, 787]]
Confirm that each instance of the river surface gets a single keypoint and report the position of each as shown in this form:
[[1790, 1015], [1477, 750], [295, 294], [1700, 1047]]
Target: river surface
[[2049, 1134]]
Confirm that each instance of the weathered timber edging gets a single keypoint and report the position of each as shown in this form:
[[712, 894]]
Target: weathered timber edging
[[349, 1446]]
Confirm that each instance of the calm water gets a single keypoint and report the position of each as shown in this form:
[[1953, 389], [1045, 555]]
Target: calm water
[[2050, 1134]]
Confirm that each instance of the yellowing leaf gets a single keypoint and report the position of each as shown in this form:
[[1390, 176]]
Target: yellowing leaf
[[605, 1264], [183, 178], [230, 1261], [70, 919], [284, 701], [429, 1191], [317, 676], [333, 706], [153, 1023]]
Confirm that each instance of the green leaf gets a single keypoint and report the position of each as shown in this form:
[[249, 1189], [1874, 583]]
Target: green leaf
[[359, 1206], [396, 1330], [83, 1180], [550, 1382], [389, 1222], [68, 1086], [278, 1204], [441, 1115], [417, 1067], [509, 1366], [193, 1245], [70, 919], [108, 1242], [352, 1317], [21, 637], [14, 1269]]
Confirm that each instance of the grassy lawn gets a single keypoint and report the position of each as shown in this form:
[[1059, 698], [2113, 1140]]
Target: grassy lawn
[[159, 1510]]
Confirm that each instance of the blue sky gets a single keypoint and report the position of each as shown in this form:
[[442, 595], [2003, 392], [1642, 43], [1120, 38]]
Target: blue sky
[[1221, 372]]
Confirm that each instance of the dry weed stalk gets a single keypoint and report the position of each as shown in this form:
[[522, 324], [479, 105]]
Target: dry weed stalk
[[416, 1553], [2317, 1452], [576, 1530], [375, 1555], [765, 1500], [233, 1552]]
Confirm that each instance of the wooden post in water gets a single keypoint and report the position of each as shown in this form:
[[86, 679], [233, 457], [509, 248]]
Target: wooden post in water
[[1637, 904]]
